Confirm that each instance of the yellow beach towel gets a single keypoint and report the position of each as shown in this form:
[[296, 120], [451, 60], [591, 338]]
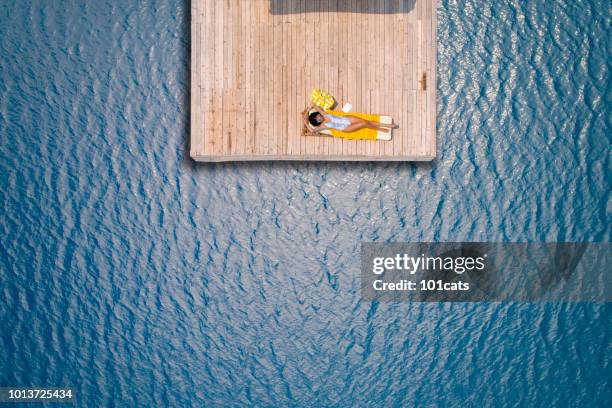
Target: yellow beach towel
[[362, 134]]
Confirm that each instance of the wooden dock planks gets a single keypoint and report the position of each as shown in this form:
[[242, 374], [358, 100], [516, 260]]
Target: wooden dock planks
[[254, 63]]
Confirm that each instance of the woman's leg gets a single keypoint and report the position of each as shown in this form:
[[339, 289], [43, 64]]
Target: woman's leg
[[378, 125], [383, 125], [360, 124]]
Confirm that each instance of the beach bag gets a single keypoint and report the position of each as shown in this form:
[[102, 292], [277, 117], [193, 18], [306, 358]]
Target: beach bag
[[322, 99]]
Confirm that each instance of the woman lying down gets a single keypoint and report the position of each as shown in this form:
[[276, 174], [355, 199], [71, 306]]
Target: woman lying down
[[320, 120]]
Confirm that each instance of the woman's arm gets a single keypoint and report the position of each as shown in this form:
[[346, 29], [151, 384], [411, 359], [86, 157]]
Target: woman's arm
[[306, 122], [318, 109]]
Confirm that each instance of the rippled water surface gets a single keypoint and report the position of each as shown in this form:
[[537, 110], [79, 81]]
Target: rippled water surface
[[140, 278]]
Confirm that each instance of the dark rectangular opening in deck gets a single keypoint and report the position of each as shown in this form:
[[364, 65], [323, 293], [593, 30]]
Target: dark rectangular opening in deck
[[341, 6]]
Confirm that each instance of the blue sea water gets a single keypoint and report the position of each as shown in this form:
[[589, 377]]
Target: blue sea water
[[141, 278]]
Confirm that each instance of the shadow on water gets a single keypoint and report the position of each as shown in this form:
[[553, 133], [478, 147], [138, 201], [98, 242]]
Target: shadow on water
[[186, 76], [360, 6], [409, 168]]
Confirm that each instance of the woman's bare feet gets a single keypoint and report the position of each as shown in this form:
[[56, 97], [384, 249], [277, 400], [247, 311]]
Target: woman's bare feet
[[389, 126]]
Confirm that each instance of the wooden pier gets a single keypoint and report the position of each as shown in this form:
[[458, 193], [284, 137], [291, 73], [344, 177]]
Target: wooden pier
[[254, 64]]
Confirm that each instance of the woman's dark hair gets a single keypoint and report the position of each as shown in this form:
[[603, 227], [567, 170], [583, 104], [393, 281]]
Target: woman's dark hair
[[315, 119]]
